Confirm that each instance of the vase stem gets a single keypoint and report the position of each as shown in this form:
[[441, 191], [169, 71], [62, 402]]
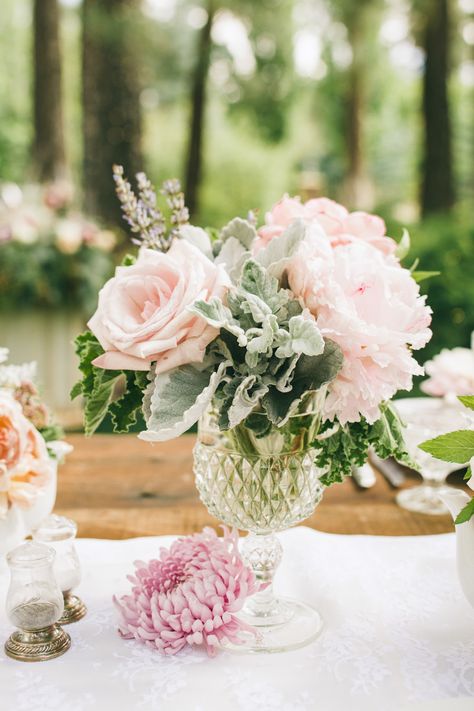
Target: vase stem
[[263, 552]]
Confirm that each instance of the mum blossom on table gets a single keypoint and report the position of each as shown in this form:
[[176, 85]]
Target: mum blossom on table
[[143, 317], [340, 225], [372, 308], [25, 466], [451, 372], [189, 596]]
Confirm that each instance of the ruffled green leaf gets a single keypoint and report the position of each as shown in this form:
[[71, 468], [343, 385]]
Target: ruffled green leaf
[[386, 435], [87, 348], [107, 385]]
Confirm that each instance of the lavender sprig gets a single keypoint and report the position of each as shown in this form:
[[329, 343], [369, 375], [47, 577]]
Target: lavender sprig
[[175, 200], [142, 214]]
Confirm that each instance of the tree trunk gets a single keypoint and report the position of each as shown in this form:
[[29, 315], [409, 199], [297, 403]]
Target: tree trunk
[[111, 107], [198, 98], [437, 188], [358, 191], [48, 151]]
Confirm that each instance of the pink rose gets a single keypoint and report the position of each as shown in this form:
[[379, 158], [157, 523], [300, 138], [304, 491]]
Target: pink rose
[[341, 226], [373, 309], [25, 467], [143, 315]]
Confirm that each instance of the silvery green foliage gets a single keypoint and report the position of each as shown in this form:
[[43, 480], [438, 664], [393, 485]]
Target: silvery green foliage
[[176, 399], [197, 237], [276, 350], [232, 256], [239, 229], [232, 248], [268, 356], [276, 254]]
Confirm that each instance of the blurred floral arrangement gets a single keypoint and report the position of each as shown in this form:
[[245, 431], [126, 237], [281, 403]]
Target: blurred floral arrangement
[[18, 381], [29, 437], [451, 373], [254, 323], [50, 254]]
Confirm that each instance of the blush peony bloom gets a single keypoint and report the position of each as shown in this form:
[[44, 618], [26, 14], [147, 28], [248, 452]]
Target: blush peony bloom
[[373, 309], [451, 373], [25, 467], [189, 596], [143, 313], [342, 226]]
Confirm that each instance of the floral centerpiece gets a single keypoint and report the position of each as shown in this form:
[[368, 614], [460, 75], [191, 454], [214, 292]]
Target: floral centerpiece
[[30, 448], [50, 254], [286, 343]]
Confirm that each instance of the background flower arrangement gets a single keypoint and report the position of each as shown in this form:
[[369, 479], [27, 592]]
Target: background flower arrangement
[[50, 254], [30, 439], [255, 323]]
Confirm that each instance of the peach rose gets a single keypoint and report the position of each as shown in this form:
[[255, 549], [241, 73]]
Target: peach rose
[[25, 466], [143, 313]]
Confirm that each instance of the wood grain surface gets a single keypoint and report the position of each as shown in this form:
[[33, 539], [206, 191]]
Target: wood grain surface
[[116, 486]]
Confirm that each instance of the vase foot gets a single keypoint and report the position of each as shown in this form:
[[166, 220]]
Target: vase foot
[[291, 625], [423, 499]]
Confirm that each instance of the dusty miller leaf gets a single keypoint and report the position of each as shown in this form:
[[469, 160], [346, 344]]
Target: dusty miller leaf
[[233, 256], [246, 396], [241, 230], [179, 398]]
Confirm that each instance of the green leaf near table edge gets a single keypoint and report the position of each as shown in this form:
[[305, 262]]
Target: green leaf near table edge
[[457, 447]]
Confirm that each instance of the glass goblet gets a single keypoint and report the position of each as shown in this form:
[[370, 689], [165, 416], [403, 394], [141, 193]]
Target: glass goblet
[[425, 418]]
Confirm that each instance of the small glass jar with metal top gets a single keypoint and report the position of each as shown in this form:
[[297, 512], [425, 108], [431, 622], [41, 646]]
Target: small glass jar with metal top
[[60, 532], [34, 605]]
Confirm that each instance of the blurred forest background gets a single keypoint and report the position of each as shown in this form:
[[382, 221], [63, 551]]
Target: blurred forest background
[[370, 102]]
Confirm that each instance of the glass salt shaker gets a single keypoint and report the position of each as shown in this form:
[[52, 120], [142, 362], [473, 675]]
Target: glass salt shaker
[[60, 532], [34, 605]]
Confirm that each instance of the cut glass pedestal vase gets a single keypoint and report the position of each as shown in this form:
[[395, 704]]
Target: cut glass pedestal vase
[[263, 485]]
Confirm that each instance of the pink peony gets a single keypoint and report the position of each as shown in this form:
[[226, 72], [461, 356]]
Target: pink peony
[[373, 309], [341, 226], [189, 596], [143, 314], [451, 373], [25, 467]]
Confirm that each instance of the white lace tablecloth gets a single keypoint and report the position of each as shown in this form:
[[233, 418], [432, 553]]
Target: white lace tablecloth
[[398, 632]]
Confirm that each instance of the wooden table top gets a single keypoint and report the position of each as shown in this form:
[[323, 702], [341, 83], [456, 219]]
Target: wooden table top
[[116, 486]]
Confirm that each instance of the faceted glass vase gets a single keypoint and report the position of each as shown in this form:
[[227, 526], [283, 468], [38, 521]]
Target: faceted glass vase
[[263, 485]]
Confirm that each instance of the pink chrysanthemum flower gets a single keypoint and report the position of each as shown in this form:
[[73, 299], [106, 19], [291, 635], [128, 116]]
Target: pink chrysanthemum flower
[[189, 596]]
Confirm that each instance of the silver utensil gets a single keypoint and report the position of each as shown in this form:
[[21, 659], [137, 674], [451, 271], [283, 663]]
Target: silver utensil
[[390, 469], [364, 476]]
